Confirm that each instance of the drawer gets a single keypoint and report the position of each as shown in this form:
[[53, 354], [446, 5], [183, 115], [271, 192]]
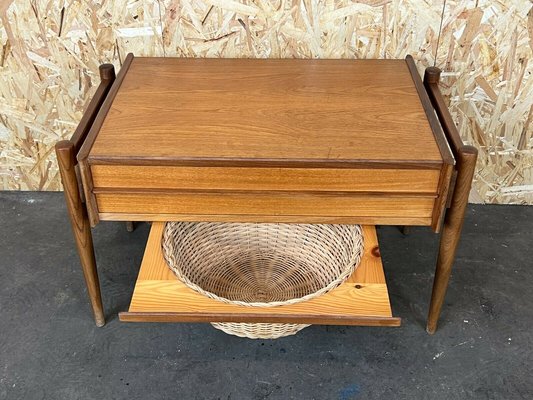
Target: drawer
[[265, 207], [362, 299], [371, 180]]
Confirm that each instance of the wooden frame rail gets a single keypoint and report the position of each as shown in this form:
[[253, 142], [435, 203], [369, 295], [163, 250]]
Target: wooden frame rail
[[465, 157], [66, 151], [442, 143], [92, 133]]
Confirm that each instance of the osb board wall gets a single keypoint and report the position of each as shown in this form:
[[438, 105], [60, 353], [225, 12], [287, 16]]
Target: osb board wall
[[51, 50], [486, 53]]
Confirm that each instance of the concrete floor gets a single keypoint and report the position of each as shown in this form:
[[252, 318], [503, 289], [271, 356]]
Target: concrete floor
[[50, 348]]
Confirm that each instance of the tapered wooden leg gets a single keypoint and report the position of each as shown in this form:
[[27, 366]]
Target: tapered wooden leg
[[130, 226], [66, 157], [453, 224], [405, 229]]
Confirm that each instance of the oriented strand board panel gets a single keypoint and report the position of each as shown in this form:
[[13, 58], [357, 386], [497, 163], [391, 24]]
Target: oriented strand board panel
[[301, 28], [486, 53], [50, 50]]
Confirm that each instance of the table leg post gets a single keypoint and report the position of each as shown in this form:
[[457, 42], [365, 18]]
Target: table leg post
[[406, 230], [453, 224], [66, 158]]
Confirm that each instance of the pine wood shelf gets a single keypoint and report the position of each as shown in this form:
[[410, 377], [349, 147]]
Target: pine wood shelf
[[362, 299]]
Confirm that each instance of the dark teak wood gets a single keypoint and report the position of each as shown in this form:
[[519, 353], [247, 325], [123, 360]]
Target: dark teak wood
[[80, 225], [466, 157], [92, 131], [66, 151]]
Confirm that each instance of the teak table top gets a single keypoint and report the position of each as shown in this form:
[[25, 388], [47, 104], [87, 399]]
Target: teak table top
[[200, 110]]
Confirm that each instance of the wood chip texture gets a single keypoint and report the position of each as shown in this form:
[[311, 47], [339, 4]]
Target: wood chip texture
[[50, 51]]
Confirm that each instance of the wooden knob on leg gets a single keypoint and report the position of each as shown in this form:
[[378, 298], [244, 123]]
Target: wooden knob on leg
[[432, 75], [107, 72]]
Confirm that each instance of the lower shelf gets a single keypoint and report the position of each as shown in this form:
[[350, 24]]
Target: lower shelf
[[363, 299]]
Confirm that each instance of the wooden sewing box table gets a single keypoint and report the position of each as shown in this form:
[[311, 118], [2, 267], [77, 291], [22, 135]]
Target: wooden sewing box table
[[276, 140]]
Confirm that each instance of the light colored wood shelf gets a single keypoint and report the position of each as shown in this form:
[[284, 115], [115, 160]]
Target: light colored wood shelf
[[361, 300]]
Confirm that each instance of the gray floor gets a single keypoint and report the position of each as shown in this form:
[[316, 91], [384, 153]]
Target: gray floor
[[50, 348]]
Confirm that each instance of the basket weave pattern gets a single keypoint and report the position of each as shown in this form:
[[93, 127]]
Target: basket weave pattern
[[261, 265]]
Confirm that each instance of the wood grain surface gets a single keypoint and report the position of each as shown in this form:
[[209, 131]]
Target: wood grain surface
[[441, 201], [277, 110], [466, 157], [107, 77], [361, 299], [253, 179], [451, 233], [266, 203], [434, 122], [94, 130], [309, 219]]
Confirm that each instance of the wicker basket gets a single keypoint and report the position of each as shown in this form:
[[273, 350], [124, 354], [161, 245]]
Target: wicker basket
[[261, 265]]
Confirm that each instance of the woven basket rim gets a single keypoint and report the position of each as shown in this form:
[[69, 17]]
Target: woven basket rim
[[355, 259]]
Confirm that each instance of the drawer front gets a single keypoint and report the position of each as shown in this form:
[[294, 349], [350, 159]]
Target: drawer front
[[419, 181], [266, 207]]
